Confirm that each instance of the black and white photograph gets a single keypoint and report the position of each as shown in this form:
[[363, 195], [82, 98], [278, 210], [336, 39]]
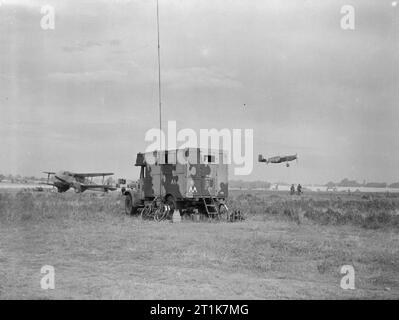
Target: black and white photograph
[[203, 150]]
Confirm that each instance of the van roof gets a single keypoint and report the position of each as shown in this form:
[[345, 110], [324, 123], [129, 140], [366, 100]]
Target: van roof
[[202, 150]]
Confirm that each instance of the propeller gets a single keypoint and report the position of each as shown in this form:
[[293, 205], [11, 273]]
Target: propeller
[[77, 186]]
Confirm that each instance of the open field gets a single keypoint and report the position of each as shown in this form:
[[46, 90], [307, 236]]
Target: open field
[[289, 247]]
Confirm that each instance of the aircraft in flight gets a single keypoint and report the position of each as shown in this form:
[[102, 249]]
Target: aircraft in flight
[[279, 159], [65, 180]]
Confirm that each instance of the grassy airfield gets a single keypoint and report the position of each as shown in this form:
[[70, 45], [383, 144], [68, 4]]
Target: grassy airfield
[[288, 247]]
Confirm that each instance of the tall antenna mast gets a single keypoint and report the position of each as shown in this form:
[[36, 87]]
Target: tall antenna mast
[[160, 103], [159, 82]]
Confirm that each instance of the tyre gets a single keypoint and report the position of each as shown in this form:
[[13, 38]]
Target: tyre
[[223, 212], [160, 214], [146, 212], [171, 203], [128, 204]]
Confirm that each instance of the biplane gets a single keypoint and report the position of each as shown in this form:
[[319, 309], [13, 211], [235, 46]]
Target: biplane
[[80, 182]]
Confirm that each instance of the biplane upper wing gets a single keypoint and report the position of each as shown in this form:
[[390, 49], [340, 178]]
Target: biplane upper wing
[[88, 175]]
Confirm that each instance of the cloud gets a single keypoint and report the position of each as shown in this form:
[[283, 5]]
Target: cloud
[[85, 45], [100, 75], [202, 77], [309, 86], [81, 46]]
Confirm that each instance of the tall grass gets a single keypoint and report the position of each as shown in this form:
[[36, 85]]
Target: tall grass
[[368, 212], [33, 206], [371, 212]]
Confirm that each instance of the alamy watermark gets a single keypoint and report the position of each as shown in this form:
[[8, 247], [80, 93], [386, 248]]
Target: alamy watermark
[[237, 145], [348, 18], [348, 280], [48, 280]]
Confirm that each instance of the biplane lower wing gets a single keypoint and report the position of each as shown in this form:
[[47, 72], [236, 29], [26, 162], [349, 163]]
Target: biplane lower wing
[[89, 175], [98, 186]]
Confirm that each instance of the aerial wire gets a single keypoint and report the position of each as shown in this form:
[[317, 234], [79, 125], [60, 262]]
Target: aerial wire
[[160, 102]]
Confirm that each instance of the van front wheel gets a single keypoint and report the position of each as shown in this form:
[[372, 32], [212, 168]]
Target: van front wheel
[[128, 204]]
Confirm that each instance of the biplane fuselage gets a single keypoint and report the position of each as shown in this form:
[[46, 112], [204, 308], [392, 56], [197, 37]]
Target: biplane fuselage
[[65, 180]]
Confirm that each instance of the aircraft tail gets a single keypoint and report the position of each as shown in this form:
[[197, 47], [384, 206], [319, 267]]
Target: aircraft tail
[[261, 159]]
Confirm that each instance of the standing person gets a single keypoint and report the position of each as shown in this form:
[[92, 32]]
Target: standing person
[[299, 189], [292, 189]]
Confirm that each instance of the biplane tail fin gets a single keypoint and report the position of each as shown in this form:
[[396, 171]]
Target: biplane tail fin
[[48, 177], [261, 159]]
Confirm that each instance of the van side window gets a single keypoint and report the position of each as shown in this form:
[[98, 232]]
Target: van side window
[[142, 173], [209, 159]]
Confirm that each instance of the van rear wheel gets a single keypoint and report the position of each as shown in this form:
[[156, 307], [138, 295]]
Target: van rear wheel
[[171, 203]]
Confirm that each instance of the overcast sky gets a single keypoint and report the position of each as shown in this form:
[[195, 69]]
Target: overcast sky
[[82, 96]]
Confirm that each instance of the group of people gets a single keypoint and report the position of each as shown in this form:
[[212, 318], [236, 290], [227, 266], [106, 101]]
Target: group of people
[[298, 189]]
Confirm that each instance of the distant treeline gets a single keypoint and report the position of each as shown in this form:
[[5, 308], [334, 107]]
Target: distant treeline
[[32, 179], [237, 184], [354, 183], [20, 179]]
